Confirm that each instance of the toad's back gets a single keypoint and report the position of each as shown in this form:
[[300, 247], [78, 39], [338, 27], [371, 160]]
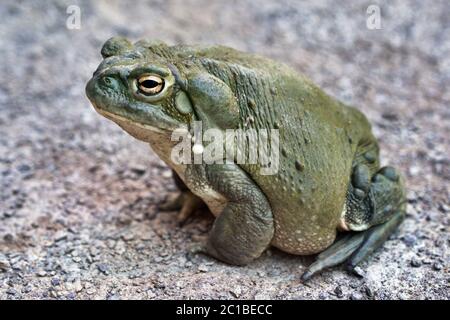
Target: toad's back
[[318, 138]]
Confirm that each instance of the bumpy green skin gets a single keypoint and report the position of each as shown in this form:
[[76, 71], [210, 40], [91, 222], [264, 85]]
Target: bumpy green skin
[[298, 210]]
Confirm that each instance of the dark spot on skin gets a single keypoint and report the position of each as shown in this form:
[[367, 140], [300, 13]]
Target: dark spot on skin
[[283, 152], [276, 125], [299, 166]]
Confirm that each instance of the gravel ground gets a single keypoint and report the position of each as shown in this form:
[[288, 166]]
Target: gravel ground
[[78, 201]]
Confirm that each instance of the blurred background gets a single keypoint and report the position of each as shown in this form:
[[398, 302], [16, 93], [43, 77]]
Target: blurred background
[[78, 200]]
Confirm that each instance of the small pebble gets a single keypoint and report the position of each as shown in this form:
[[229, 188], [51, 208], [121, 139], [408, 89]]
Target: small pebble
[[323, 296], [4, 263], [390, 116], [415, 262], [411, 197], [261, 296], [437, 266], [27, 289], [236, 291], [71, 296], [60, 236], [53, 293], [338, 291], [23, 168], [151, 294], [402, 296], [356, 296], [354, 284], [127, 237], [78, 286], [444, 208], [409, 240], [203, 268], [359, 272], [368, 292], [41, 273], [167, 174], [138, 169], [103, 268], [93, 251], [11, 291]]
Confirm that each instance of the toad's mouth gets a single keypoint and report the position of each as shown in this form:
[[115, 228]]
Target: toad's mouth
[[121, 120]]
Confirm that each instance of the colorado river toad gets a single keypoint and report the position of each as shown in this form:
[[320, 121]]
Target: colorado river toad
[[328, 179]]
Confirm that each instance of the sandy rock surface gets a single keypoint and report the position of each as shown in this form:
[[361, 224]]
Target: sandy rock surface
[[79, 197]]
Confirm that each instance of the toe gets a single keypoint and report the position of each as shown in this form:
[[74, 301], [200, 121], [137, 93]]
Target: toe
[[361, 178], [173, 202], [390, 173]]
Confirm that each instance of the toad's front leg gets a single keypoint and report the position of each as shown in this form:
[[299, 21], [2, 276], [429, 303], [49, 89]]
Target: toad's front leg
[[186, 202], [245, 227]]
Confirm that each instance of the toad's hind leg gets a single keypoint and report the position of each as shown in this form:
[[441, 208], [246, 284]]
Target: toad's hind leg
[[375, 207]]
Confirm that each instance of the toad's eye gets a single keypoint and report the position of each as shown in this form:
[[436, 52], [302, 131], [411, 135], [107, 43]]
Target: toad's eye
[[150, 84]]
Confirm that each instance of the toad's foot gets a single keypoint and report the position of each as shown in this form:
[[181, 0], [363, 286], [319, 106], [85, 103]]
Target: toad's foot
[[353, 248]]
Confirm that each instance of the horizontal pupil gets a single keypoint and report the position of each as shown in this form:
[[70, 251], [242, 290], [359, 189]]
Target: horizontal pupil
[[149, 84]]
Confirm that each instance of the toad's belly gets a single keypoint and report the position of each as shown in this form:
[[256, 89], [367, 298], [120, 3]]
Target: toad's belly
[[301, 233], [298, 235]]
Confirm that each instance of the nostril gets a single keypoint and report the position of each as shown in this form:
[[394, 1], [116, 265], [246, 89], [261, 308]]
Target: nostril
[[109, 81]]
